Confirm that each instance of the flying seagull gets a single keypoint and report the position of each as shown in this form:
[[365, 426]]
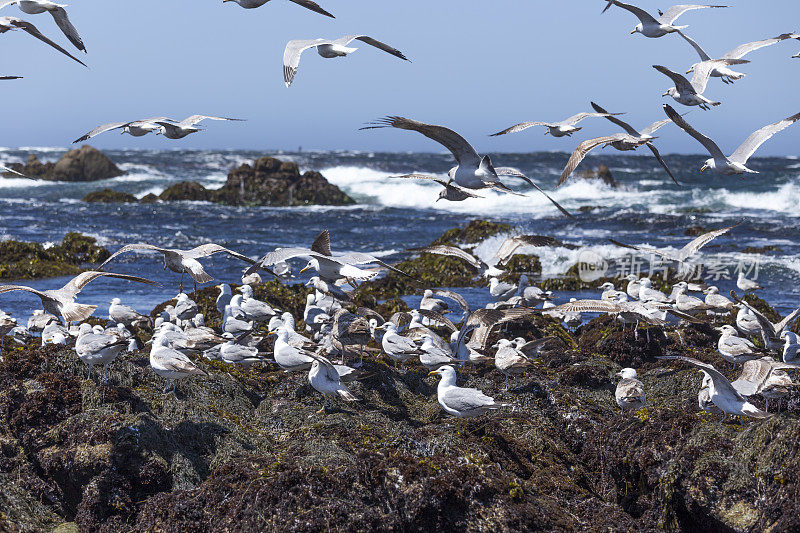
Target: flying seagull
[[656, 27], [183, 261], [59, 14], [473, 171], [10, 77], [451, 192], [328, 49], [61, 302], [682, 255], [736, 163], [556, 129], [721, 70], [137, 128], [14, 23], [646, 133], [620, 141], [308, 4], [691, 93], [179, 130]]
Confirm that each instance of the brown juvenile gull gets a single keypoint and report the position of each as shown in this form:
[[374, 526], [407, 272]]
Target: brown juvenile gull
[[630, 391]]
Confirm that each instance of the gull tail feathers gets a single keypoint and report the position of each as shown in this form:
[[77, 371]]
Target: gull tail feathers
[[754, 412], [347, 395], [78, 312]]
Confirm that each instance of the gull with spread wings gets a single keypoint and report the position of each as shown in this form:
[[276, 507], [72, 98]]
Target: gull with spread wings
[[136, 128], [657, 27], [14, 23], [473, 171], [721, 70], [308, 4], [179, 130], [61, 302], [691, 93], [737, 162], [57, 11], [682, 255], [556, 129], [327, 48]]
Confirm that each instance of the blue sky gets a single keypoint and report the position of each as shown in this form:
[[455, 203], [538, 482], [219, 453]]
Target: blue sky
[[477, 67]]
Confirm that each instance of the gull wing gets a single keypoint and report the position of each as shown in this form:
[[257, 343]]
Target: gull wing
[[660, 160], [34, 31], [460, 300], [11, 170], [702, 53], [574, 119], [721, 383], [101, 129], [756, 139], [512, 244], [77, 283], [702, 71], [765, 323], [464, 400], [62, 21], [709, 145], [671, 14], [680, 81], [438, 318], [10, 77], [694, 246], [520, 127], [646, 249], [754, 373], [580, 153], [291, 56], [655, 126], [205, 250], [451, 251], [610, 116], [9, 288], [313, 6], [130, 247], [744, 49], [322, 243], [641, 14], [783, 324], [196, 119], [462, 151], [347, 39], [587, 306]]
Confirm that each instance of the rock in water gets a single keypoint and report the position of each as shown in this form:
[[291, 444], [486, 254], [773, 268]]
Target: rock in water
[[83, 164], [109, 196], [186, 190], [602, 173]]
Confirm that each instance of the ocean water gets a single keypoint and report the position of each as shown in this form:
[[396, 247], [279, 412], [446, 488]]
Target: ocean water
[[393, 215]]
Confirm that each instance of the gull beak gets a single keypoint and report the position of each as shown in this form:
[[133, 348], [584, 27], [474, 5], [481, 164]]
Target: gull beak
[[634, 31], [431, 373], [304, 268], [704, 168], [547, 132], [665, 94], [689, 71], [273, 332]]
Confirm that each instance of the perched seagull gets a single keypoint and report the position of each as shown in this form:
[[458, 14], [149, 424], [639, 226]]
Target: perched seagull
[[633, 286], [136, 128], [691, 93], [434, 356], [123, 314], [704, 396], [721, 392], [14, 23], [688, 304], [397, 347], [766, 377], [685, 253], [746, 321], [183, 261], [630, 391], [646, 133], [791, 348], [290, 358], [224, 297], [238, 354], [255, 309], [721, 70], [501, 290], [556, 129], [327, 48], [746, 285], [719, 303], [648, 294], [770, 332], [59, 14], [509, 360], [98, 348], [460, 401], [736, 163], [61, 302], [171, 364], [656, 27], [308, 4], [735, 349], [325, 379], [179, 130], [473, 171]]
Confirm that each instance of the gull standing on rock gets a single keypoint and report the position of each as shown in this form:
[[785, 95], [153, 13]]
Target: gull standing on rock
[[736, 163], [327, 48], [93, 348], [746, 285], [57, 11], [325, 379], [123, 314], [656, 27], [460, 401], [791, 348], [397, 347], [308, 4], [720, 70], [179, 130], [770, 332], [735, 349], [509, 360], [556, 129], [630, 391], [473, 171], [290, 358], [171, 364]]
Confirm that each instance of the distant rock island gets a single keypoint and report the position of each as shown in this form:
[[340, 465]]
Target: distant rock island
[[268, 181], [83, 164]]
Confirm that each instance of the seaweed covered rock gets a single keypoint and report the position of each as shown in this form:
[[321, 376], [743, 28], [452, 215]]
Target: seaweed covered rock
[[186, 190], [27, 260], [109, 196], [473, 233], [83, 164]]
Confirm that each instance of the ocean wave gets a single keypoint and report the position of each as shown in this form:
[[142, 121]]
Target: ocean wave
[[786, 199]]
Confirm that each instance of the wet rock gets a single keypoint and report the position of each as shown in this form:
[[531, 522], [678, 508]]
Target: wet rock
[[26, 260], [186, 190], [602, 173], [762, 249], [149, 198], [83, 164], [109, 196], [473, 233]]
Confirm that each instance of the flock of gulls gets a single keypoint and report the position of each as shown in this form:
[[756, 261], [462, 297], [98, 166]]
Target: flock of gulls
[[334, 329]]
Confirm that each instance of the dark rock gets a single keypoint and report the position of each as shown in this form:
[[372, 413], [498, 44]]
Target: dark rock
[[602, 173], [149, 198], [109, 196], [186, 190], [83, 164], [695, 231], [25, 260], [762, 249], [473, 233]]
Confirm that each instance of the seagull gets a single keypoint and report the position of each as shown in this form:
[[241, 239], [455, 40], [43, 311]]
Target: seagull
[[509, 360], [179, 130], [183, 261], [714, 299], [123, 314], [735, 349], [397, 347], [254, 309], [688, 304], [351, 330], [511, 246], [721, 70], [685, 253], [224, 297], [704, 396], [691, 93], [501, 290], [327, 48], [10, 77], [93, 348], [736, 163], [171, 364], [646, 133], [766, 377], [136, 128], [14, 23], [12, 171], [61, 302], [288, 357], [630, 391], [656, 27], [238, 354], [325, 379], [473, 171], [59, 14], [770, 332], [460, 401], [454, 251], [721, 392], [791, 348], [308, 4], [620, 141], [451, 191], [745, 284], [556, 129]]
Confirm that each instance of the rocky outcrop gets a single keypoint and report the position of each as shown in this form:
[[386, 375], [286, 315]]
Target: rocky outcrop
[[186, 191], [30, 260], [109, 196], [84, 164], [602, 173]]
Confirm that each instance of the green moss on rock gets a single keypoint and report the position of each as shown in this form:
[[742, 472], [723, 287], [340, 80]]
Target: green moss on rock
[[109, 196], [27, 260]]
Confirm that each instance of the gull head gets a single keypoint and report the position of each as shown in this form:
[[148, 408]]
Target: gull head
[[726, 330], [115, 301], [691, 69], [313, 263], [638, 29], [442, 195], [709, 164], [627, 373], [672, 91]]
